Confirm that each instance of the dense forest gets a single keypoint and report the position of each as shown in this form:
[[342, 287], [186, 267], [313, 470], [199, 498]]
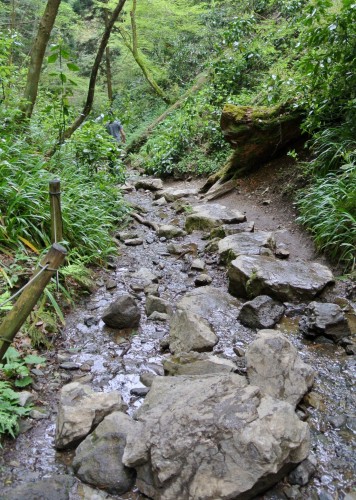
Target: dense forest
[[165, 68]]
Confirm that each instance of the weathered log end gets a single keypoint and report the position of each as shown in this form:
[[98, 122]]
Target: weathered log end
[[257, 134]]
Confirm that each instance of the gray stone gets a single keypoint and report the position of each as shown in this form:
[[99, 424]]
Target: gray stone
[[150, 184], [25, 398], [220, 189], [212, 437], [134, 242], [122, 313], [173, 194], [198, 264], [325, 319], [157, 316], [158, 304], [160, 202], [303, 472], [152, 289], [203, 280], [244, 244], [69, 365], [52, 488], [194, 363], [39, 414], [98, 459], [127, 235], [111, 284], [205, 217], [273, 364], [145, 276], [190, 332], [207, 300], [169, 231], [261, 312], [253, 275], [229, 229], [80, 410]]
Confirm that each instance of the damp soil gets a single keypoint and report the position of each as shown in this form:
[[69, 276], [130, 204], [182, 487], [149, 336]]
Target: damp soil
[[113, 360]]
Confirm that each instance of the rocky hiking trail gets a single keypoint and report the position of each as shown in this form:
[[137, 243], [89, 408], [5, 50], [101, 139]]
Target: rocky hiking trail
[[216, 354]]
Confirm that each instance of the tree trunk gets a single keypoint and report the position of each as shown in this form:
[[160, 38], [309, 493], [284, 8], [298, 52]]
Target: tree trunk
[[140, 141], [37, 55], [108, 63], [133, 48], [94, 72], [258, 134]]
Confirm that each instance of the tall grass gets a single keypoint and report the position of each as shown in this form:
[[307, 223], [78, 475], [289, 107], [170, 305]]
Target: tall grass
[[328, 211]]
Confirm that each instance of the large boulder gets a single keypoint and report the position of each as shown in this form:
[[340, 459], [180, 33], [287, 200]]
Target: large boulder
[[52, 488], [190, 332], [80, 410], [122, 313], [194, 363], [244, 244], [208, 302], [205, 217], [98, 459], [273, 364], [253, 275], [213, 437]]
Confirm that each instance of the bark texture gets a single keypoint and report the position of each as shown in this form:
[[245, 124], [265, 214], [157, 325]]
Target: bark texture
[[37, 55]]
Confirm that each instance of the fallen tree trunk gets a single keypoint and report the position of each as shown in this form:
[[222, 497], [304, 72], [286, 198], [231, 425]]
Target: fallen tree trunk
[[137, 143], [257, 134]]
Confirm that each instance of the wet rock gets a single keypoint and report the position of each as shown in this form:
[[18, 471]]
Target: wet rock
[[150, 184], [69, 365], [273, 364], [122, 313], [145, 277], [194, 363], [157, 304], [205, 217], [303, 472], [203, 280], [111, 284], [25, 398], [134, 242], [229, 229], [206, 300], [244, 244], [98, 459], [141, 392], [90, 321], [157, 316], [169, 231], [127, 235], [52, 488], [337, 421], [292, 492], [173, 194], [325, 319], [261, 312], [198, 265], [160, 202], [253, 275], [80, 410], [39, 414], [212, 437], [190, 332]]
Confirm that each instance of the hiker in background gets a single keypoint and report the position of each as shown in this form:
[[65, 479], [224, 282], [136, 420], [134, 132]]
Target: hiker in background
[[115, 129]]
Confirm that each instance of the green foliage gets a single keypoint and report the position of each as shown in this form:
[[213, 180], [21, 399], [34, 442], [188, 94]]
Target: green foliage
[[328, 210], [10, 410], [17, 368]]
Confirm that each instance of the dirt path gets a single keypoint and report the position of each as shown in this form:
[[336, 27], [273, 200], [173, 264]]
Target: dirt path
[[109, 359]]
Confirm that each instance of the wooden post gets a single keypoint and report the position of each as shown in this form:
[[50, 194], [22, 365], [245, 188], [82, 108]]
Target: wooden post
[[29, 297], [56, 214]]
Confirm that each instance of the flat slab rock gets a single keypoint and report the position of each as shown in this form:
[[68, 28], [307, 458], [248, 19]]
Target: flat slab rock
[[250, 276], [193, 363], [208, 301], [244, 244], [149, 184], [173, 194], [205, 217], [212, 437]]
